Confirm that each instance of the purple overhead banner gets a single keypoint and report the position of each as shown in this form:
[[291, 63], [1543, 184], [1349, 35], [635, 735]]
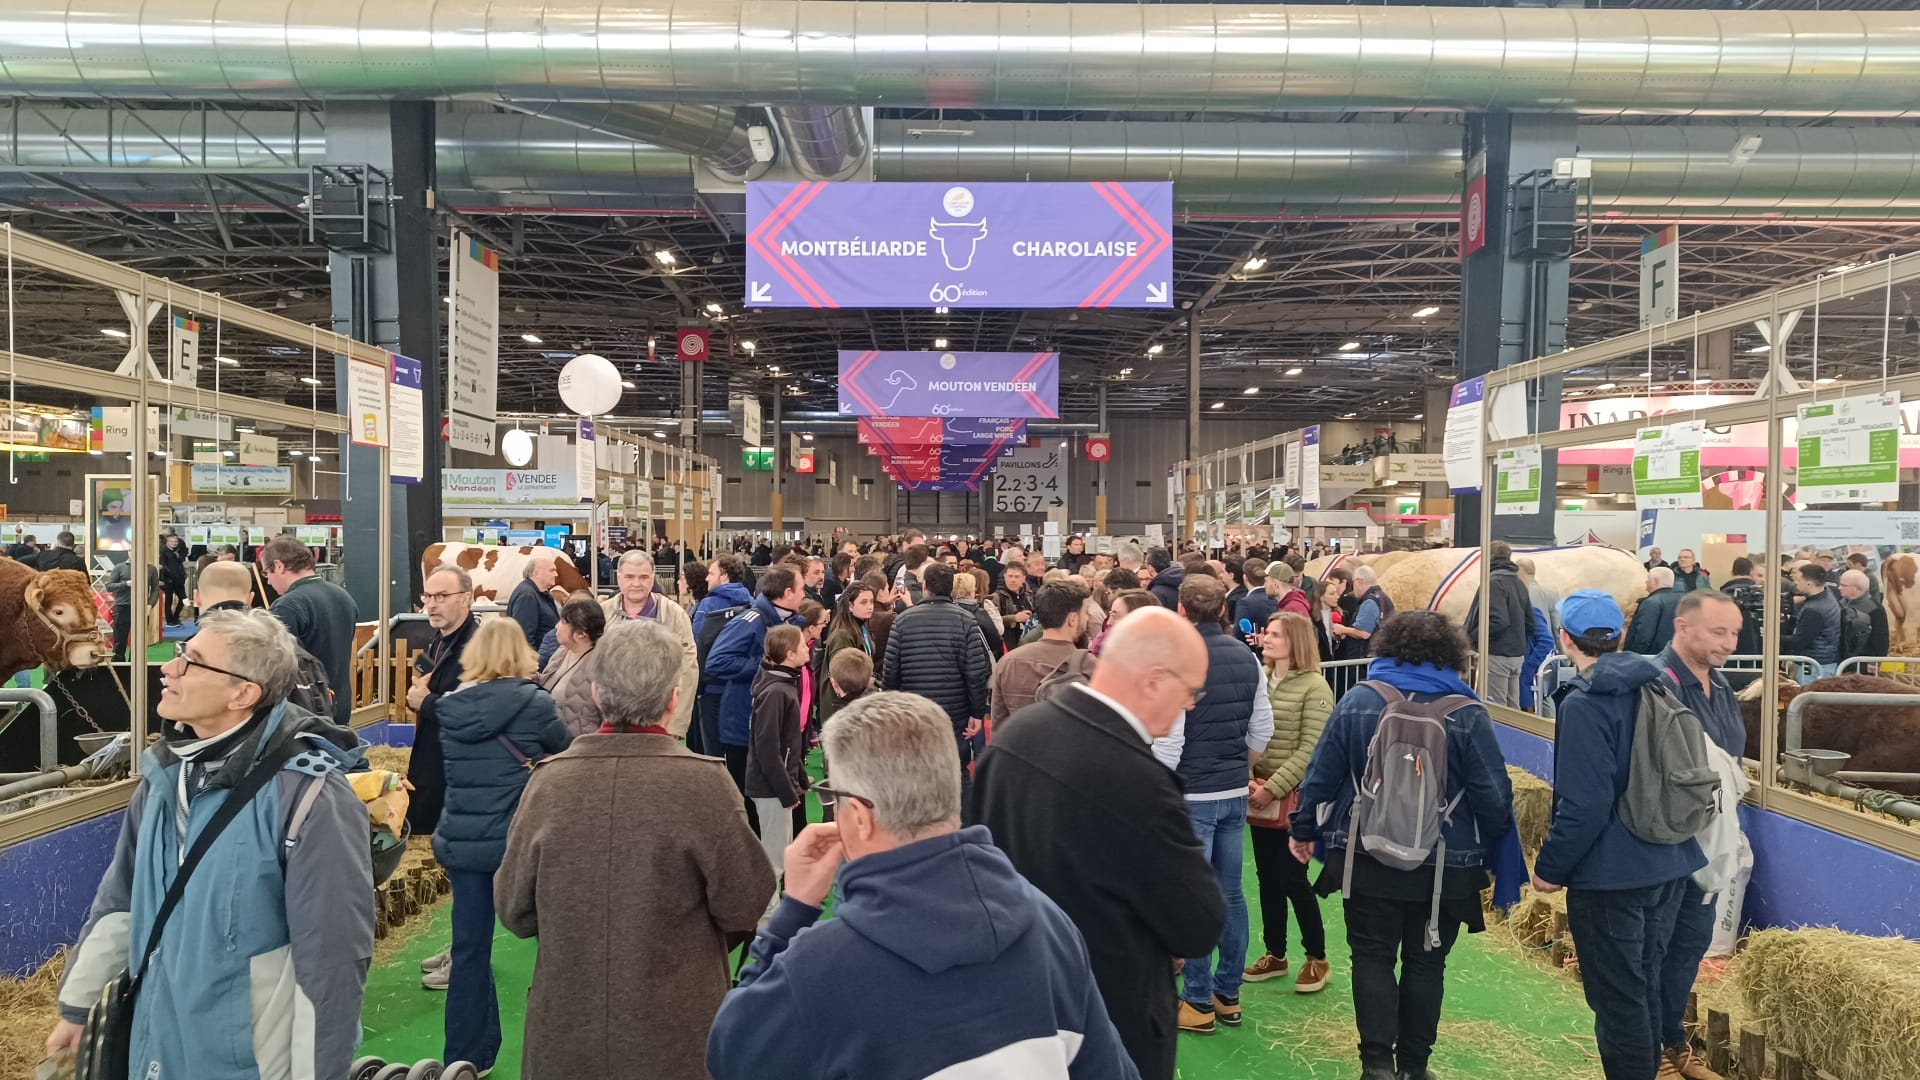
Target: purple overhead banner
[[899, 431], [924, 245], [971, 384]]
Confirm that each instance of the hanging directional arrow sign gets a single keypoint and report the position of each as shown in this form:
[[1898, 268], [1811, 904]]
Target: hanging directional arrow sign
[[926, 245]]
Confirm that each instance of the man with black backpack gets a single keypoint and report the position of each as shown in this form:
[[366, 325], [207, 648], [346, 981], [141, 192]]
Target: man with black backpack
[[1412, 856], [1628, 800]]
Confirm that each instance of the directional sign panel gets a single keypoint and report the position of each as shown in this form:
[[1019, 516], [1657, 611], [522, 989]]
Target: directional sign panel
[[943, 384], [901, 431], [931, 245]]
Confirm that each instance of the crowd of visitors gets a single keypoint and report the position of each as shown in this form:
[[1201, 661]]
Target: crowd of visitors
[[1034, 786]]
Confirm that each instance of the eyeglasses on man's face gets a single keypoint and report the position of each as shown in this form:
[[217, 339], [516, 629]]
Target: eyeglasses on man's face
[[830, 796], [1195, 694], [186, 659]]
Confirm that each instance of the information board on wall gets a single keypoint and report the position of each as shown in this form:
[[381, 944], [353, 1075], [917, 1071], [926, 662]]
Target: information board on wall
[[1310, 468], [367, 402], [1466, 434], [1517, 481], [473, 346], [1849, 450], [406, 422], [1666, 467]]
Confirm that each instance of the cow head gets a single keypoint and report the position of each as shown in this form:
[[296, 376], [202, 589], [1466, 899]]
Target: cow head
[[64, 625], [958, 240]]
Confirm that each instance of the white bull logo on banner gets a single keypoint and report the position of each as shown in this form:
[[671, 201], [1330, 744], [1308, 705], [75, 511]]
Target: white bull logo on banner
[[965, 237]]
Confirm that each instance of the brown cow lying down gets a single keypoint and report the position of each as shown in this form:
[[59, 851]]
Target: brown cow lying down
[[1880, 739], [50, 618]]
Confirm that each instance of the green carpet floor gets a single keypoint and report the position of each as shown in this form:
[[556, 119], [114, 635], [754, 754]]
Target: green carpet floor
[[1506, 1017]]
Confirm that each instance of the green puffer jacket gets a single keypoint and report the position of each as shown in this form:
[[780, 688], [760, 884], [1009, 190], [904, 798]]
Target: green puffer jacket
[[1302, 701]]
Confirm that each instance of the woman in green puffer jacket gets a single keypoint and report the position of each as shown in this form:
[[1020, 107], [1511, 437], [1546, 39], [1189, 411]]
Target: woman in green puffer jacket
[[1302, 701]]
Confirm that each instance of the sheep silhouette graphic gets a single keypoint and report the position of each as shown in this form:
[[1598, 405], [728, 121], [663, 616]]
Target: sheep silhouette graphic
[[965, 237]]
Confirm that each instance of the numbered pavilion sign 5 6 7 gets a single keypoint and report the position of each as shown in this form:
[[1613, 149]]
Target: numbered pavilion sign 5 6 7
[[1031, 480]]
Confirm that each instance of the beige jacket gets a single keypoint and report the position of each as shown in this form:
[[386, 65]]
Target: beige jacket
[[674, 618]]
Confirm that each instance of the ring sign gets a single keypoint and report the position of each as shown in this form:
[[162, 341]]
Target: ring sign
[[692, 343]]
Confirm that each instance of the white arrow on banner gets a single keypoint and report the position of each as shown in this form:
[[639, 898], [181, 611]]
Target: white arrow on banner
[[761, 293], [1157, 293]]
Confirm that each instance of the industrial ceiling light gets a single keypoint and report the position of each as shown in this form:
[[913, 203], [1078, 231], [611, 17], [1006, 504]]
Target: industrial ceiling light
[[113, 333], [1218, 405], [1348, 415], [628, 383], [1825, 380], [748, 345], [807, 436], [1253, 264], [1349, 346], [939, 343], [714, 309], [310, 380], [296, 453], [665, 257], [1293, 371], [1154, 349], [1430, 309], [531, 339], [1419, 416], [1757, 349], [1251, 390], [659, 434], [225, 360], [1125, 371], [1606, 386]]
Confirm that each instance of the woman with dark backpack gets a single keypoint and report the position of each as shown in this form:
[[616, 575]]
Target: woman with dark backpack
[[493, 727]]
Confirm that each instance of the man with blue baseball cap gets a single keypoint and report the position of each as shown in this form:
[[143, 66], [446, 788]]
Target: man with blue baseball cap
[[1623, 893]]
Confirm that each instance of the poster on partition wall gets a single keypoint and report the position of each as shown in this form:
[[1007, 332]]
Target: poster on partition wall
[[1310, 468], [1849, 450], [1666, 467], [473, 346]]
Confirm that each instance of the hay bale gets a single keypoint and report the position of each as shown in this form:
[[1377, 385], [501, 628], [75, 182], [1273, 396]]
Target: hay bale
[[1532, 809], [28, 1010], [389, 758], [1846, 1003]]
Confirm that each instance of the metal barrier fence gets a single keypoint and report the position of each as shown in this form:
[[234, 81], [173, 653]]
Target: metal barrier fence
[[1740, 668], [1344, 675], [1879, 665]]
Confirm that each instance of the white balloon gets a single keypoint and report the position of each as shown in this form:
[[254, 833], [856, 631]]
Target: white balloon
[[590, 385], [517, 447]]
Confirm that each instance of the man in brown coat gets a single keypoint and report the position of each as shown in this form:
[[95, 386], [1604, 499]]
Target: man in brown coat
[[631, 860]]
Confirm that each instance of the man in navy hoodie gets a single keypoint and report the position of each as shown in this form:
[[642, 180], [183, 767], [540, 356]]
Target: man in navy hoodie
[[940, 957], [735, 660], [1623, 893], [726, 590]]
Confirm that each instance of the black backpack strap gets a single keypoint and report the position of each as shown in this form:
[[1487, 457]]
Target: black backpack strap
[[237, 799]]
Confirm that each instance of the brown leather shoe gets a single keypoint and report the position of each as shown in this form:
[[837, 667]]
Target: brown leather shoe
[[1313, 976], [1684, 1064], [1267, 967], [1227, 1010]]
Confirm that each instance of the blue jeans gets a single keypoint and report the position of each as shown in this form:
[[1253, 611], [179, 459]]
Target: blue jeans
[[1692, 935], [1622, 937], [473, 1009], [1221, 826]]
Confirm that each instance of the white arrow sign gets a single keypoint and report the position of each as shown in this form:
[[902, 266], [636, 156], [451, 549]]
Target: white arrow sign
[[761, 293], [1157, 293]]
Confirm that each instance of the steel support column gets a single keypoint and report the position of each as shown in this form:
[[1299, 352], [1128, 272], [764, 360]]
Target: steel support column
[[390, 299], [1192, 483], [1100, 471], [776, 510], [1513, 307]]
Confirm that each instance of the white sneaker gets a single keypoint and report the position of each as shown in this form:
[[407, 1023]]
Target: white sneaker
[[437, 960], [437, 978]]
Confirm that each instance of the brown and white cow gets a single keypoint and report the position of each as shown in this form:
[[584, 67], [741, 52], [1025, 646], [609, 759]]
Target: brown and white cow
[[496, 571]]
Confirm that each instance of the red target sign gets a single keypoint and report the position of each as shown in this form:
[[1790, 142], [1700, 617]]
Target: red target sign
[[691, 343], [1099, 449]]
